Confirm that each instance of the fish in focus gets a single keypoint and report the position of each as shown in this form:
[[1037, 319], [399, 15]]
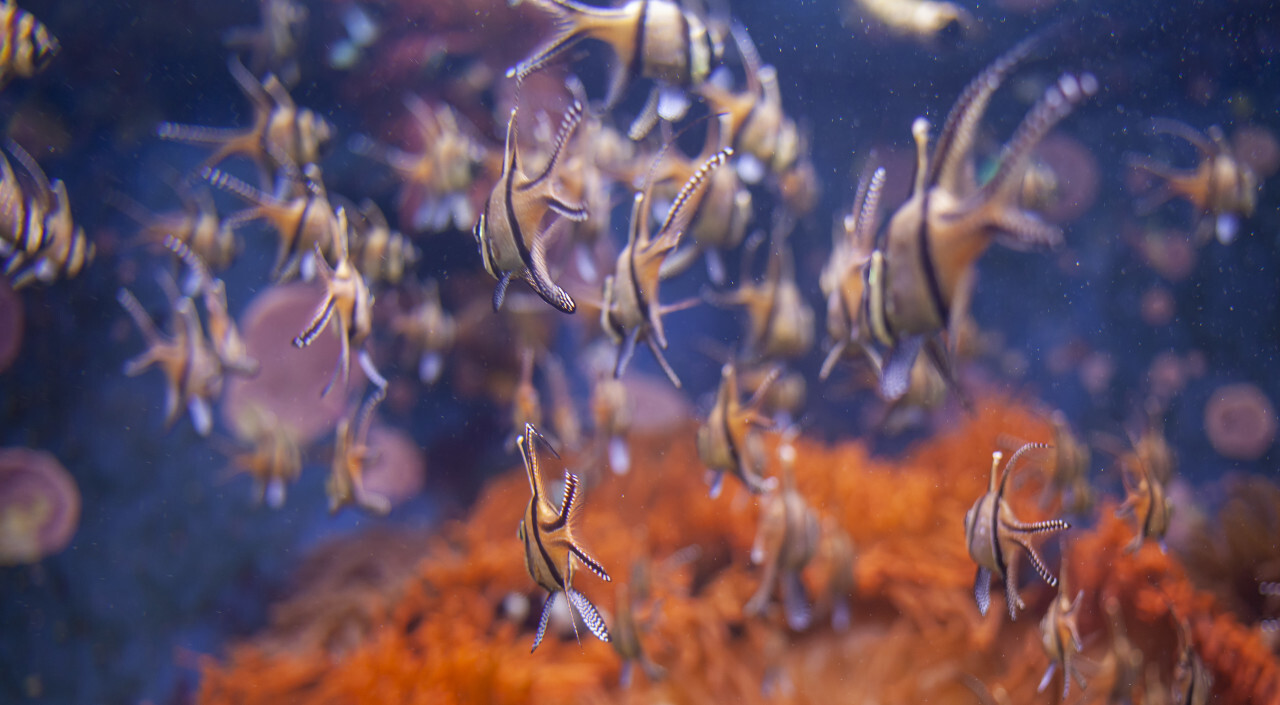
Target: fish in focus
[[994, 536], [948, 221], [1060, 636], [629, 310], [26, 45], [550, 548], [1221, 188], [521, 215], [726, 442], [347, 301], [658, 39], [282, 135]]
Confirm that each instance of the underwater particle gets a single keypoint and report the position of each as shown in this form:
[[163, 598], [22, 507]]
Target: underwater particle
[[1076, 172], [11, 318], [399, 470], [1240, 422], [290, 379], [39, 506], [1158, 307]]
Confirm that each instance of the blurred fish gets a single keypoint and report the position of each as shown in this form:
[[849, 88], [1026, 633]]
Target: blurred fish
[[1070, 475], [428, 331], [381, 254], [925, 21], [1145, 500], [347, 300], [1122, 661], [435, 180], [189, 363], [26, 45], [550, 548], [273, 44], [44, 241], [630, 310], [510, 232], [1060, 636], [303, 217], [785, 543], [196, 224], [526, 403], [282, 135], [611, 421], [1221, 188], [565, 420], [351, 454], [779, 320], [725, 439], [934, 238], [224, 333], [845, 275], [994, 535], [659, 39], [273, 460], [1192, 682], [626, 625], [838, 547]]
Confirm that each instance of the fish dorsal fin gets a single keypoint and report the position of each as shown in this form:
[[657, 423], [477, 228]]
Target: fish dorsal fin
[[1013, 462], [955, 139], [681, 212], [569, 123], [509, 151], [568, 503], [364, 417], [530, 456]]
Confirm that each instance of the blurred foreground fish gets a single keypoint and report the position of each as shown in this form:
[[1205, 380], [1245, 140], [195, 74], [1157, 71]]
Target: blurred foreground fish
[[511, 233], [994, 535], [550, 548], [1221, 188], [925, 21], [26, 45]]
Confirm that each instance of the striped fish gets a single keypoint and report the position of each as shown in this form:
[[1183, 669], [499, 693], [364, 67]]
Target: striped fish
[[26, 45], [725, 438]]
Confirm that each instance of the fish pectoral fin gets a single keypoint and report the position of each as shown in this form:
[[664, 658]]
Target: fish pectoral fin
[[625, 352], [662, 361], [895, 378], [500, 290], [590, 616], [1048, 677], [542, 621], [982, 589]]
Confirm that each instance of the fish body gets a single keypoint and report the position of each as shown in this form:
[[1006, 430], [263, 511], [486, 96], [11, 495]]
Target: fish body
[[196, 225], [190, 365], [1147, 501], [845, 277], [780, 323], [658, 39], [1060, 636], [1192, 682], [26, 44], [994, 536], [224, 332], [520, 216], [347, 301], [282, 136], [916, 287], [1070, 478], [1222, 188], [273, 460], [725, 439], [351, 455], [551, 550], [630, 311], [44, 241], [786, 541], [383, 255]]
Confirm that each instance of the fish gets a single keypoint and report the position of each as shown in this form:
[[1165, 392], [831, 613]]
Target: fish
[[272, 45], [611, 422], [1145, 500], [45, 241], [933, 239], [1060, 636], [550, 547], [928, 22], [756, 125], [283, 137], [347, 301], [565, 421], [526, 402], [428, 331], [273, 459], [351, 454], [1222, 188], [658, 39], [785, 542], [510, 231], [630, 311], [1123, 661], [993, 536], [845, 275], [780, 324], [224, 332], [1192, 682], [383, 255], [196, 224], [302, 216], [625, 637], [190, 365], [434, 180], [1070, 476], [838, 547], [27, 47], [725, 438]]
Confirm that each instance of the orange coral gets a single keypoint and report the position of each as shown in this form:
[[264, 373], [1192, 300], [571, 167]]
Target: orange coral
[[916, 633]]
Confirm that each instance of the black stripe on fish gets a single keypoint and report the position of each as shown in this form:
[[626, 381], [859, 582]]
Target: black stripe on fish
[[636, 65], [927, 264]]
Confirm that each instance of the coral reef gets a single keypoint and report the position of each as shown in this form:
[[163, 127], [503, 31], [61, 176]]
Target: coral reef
[[448, 635]]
